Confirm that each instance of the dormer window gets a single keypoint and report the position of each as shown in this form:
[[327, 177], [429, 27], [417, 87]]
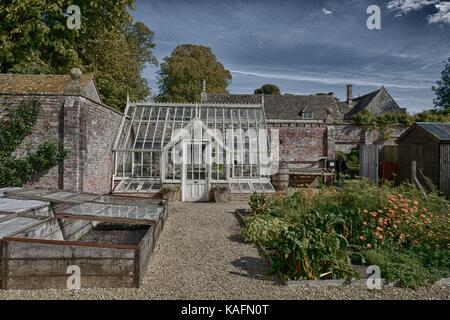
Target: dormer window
[[307, 115]]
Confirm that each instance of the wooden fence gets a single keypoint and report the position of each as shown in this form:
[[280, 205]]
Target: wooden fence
[[445, 169], [368, 161]]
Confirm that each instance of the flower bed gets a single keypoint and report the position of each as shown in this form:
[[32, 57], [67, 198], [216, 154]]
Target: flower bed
[[315, 235]]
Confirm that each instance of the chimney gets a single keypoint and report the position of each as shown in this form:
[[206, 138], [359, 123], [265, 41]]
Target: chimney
[[204, 95], [349, 94]]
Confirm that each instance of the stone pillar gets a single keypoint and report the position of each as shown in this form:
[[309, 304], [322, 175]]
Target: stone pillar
[[331, 142], [74, 133]]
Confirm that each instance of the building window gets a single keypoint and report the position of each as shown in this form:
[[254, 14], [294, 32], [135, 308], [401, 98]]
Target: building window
[[307, 115]]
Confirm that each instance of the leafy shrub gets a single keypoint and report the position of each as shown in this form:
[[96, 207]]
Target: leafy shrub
[[17, 171], [401, 265], [308, 252], [263, 229], [388, 226]]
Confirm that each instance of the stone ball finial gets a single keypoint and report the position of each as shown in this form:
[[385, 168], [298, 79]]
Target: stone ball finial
[[75, 74]]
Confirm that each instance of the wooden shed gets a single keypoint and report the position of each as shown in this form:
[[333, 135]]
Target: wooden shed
[[429, 145]]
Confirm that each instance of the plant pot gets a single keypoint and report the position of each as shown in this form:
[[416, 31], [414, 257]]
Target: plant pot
[[220, 196], [170, 196]]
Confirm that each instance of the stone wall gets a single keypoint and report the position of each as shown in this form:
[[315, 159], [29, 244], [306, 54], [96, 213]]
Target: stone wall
[[87, 130]]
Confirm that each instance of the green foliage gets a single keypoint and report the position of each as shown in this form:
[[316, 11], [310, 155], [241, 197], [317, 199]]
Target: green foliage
[[34, 39], [404, 265], [367, 119], [434, 116], [398, 228], [352, 161], [442, 88], [17, 171], [312, 250], [269, 89], [182, 73], [19, 124], [263, 229]]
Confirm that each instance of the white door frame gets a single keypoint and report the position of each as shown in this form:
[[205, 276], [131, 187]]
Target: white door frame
[[184, 167]]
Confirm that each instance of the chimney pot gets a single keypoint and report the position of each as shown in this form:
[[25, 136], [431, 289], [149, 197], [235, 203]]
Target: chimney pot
[[350, 94], [204, 95]]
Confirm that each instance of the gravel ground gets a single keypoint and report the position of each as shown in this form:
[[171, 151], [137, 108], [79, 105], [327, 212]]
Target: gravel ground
[[200, 255]]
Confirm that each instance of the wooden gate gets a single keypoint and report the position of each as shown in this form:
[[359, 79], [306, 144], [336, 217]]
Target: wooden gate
[[445, 169], [368, 161]]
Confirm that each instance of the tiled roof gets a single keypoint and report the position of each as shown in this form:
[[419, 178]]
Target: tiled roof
[[288, 107], [37, 84]]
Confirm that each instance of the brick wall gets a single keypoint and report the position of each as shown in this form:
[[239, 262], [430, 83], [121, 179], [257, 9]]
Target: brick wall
[[87, 130], [304, 144]]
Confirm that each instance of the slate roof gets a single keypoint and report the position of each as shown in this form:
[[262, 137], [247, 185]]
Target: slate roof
[[363, 102], [377, 102], [440, 131], [38, 84], [288, 107]]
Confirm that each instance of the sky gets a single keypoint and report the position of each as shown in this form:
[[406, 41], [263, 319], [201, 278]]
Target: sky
[[306, 47]]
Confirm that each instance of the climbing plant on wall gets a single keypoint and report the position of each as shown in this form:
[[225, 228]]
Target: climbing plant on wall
[[15, 171]]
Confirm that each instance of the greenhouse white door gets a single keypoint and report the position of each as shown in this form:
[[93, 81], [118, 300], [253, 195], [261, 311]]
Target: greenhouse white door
[[195, 172]]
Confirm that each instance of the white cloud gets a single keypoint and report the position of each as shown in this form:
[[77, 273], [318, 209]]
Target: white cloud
[[326, 11], [328, 79], [404, 6], [443, 14]]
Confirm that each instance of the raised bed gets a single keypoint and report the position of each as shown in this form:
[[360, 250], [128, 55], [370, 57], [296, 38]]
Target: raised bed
[[111, 246]]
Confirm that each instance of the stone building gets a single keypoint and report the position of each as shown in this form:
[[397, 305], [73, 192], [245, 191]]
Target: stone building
[[313, 128]]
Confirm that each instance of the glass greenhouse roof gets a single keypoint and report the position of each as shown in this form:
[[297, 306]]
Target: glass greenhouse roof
[[149, 127]]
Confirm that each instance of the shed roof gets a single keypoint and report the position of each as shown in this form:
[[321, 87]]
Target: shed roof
[[38, 83], [439, 131]]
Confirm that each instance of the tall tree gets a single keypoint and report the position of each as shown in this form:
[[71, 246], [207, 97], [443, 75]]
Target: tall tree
[[181, 74], [442, 89], [34, 38], [269, 89]]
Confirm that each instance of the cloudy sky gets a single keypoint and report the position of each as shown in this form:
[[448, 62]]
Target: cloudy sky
[[307, 47]]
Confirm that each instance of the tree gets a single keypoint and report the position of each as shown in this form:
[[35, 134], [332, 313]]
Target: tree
[[269, 89], [181, 74], [442, 89], [34, 38]]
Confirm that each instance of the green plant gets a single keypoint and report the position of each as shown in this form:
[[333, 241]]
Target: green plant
[[220, 188], [263, 229], [405, 231], [310, 252], [17, 125], [404, 266], [170, 188]]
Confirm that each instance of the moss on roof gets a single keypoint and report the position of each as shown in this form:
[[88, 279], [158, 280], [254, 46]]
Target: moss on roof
[[37, 84]]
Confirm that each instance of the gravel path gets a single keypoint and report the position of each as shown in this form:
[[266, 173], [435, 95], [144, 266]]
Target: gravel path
[[200, 255]]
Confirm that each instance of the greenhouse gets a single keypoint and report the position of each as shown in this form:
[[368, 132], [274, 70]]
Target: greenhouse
[[194, 147]]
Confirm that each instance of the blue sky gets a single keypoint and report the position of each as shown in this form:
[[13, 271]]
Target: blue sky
[[307, 47]]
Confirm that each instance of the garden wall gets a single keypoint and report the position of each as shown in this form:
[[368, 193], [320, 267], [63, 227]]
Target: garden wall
[[304, 144], [84, 127]]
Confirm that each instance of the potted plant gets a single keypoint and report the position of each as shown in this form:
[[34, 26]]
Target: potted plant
[[220, 193], [169, 192]]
